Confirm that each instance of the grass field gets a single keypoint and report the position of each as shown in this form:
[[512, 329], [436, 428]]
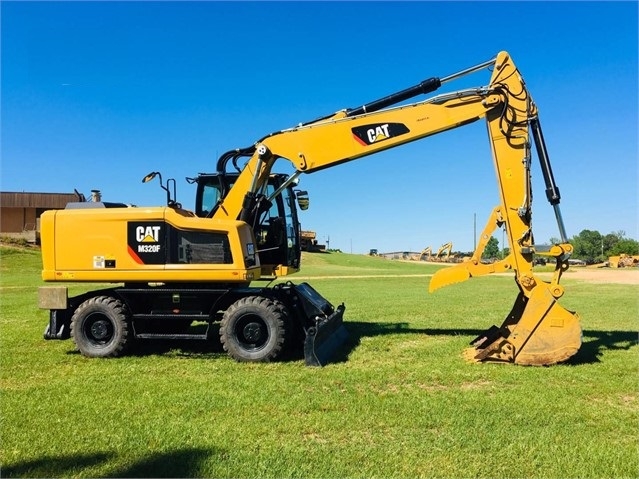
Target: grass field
[[398, 402]]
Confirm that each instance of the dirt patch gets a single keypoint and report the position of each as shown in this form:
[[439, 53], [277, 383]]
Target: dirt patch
[[590, 275], [597, 276], [604, 275]]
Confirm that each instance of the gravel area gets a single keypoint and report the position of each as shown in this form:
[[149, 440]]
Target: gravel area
[[604, 275]]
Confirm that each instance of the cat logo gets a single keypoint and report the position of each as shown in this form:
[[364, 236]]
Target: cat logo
[[375, 133], [378, 133], [145, 242], [147, 234]]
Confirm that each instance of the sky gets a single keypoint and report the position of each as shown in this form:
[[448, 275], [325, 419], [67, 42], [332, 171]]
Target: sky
[[95, 95]]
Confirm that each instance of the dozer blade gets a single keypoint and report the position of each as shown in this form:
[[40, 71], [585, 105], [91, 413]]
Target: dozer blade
[[325, 338], [538, 331], [323, 323]]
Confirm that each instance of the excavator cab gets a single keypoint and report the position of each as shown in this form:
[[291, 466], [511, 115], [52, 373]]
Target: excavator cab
[[276, 225]]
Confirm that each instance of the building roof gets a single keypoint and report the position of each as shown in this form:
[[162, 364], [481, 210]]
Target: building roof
[[10, 199]]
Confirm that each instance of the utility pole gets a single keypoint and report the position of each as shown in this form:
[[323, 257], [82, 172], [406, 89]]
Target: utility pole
[[474, 232]]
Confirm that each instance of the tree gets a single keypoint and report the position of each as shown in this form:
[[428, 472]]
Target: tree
[[610, 241], [592, 246], [625, 246], [587, 245], [492, 248]]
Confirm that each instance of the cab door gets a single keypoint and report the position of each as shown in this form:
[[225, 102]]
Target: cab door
[[278, 231]]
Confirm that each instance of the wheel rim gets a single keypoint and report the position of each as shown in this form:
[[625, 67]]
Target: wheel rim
[[251, 332], [98, 329]]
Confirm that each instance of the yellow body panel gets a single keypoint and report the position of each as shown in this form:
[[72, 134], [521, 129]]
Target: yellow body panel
[[78, 243]]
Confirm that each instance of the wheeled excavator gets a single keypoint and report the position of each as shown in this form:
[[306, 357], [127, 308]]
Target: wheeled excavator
[[174, 266]]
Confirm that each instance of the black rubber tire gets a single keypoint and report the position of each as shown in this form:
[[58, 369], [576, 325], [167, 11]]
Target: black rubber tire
[[255, 329], [100, 327]]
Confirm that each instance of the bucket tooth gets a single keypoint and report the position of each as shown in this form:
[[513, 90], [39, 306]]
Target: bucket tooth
[[487, 337]]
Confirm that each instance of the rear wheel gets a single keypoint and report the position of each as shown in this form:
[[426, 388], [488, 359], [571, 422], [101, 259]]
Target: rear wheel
[[100, 327], [254, 329]]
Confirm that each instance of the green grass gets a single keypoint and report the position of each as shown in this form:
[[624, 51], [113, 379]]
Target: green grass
[[321, 264], [398, 402]]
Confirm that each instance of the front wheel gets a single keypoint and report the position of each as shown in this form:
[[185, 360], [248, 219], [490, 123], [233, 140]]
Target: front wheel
[[100, 327], [254, 329]]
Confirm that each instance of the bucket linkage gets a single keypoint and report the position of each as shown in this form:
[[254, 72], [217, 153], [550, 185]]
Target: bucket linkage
[[538, 330]]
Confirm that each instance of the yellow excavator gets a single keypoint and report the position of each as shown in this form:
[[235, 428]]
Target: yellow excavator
[[425, 254], [175, 266], [446, 249]]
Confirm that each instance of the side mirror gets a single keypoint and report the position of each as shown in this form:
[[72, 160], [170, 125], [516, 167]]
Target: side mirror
[[302, 199], [150, 176], [169, 201]]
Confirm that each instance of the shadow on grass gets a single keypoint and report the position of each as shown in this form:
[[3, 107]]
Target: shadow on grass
[[180, 463], [165, 347], [359, 329], [61, 466], [211, 347], [177, 347], [182, 347], [595, 343]]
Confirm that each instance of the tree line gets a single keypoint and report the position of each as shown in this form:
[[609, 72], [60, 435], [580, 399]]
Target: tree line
[[589, 245], [593, 247]]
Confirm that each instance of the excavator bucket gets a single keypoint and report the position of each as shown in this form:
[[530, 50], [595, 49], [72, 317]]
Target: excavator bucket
[[538, 331]]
